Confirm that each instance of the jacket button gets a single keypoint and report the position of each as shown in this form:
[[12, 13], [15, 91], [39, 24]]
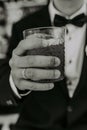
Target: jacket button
[[69, 109]]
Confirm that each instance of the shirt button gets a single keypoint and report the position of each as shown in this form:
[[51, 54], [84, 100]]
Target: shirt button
[[70, 61], [69, 82], [67, 31], [69, 109], [69, 38]]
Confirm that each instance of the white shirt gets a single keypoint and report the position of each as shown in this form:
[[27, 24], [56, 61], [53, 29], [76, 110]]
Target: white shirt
[[74, 50]]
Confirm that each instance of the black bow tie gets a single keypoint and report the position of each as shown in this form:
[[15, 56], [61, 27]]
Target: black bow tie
[[79, 20]]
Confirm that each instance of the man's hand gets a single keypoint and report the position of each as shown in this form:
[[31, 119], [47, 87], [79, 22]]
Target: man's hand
[[33, 66]]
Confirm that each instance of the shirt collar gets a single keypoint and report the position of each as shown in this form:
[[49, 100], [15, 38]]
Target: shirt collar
[[53, 11]]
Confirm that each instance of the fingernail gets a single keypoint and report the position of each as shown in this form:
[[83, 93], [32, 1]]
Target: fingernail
[[57, 62], [57, 74]]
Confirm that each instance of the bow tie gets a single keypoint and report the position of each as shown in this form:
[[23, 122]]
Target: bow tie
[[79, 20]]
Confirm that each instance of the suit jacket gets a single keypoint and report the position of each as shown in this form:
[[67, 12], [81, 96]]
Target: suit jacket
[[51, 110]]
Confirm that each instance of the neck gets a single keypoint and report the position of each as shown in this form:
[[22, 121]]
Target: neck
[[68, 7]]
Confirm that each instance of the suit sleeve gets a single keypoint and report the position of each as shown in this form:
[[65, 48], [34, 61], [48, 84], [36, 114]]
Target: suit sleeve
[[7, 96]]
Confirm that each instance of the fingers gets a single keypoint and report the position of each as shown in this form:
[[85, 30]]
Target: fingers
[[36, 74], [37, 86], [33, 65], [34, 61], [32, 86], [30, 43]]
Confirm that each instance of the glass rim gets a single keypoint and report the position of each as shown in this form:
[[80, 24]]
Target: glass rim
[[48, 27]]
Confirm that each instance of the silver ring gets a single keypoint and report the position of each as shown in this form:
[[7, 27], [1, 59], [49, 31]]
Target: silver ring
[[24, 74]]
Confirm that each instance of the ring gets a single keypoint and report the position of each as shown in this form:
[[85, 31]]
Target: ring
[[24, 74]]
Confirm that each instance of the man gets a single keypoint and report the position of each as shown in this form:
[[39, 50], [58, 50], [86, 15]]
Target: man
[[52, 106]]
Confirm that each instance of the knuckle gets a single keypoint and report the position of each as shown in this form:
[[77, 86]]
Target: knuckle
[[14, 51], [15, 74], [30, 60], [14, 59], [30, 73], [14, 62], [35, 75], [10, 62], [48, 86], [12, 72], [21, 44], [32, 87]]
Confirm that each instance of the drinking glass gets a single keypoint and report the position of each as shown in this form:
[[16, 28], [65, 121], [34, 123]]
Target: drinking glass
[[52, 39]]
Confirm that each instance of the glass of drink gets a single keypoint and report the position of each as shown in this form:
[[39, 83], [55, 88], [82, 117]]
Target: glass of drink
[[52, 39]]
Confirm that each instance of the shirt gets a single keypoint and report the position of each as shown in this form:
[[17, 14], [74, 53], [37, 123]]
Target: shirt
[[74, 47], [74, 50]]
